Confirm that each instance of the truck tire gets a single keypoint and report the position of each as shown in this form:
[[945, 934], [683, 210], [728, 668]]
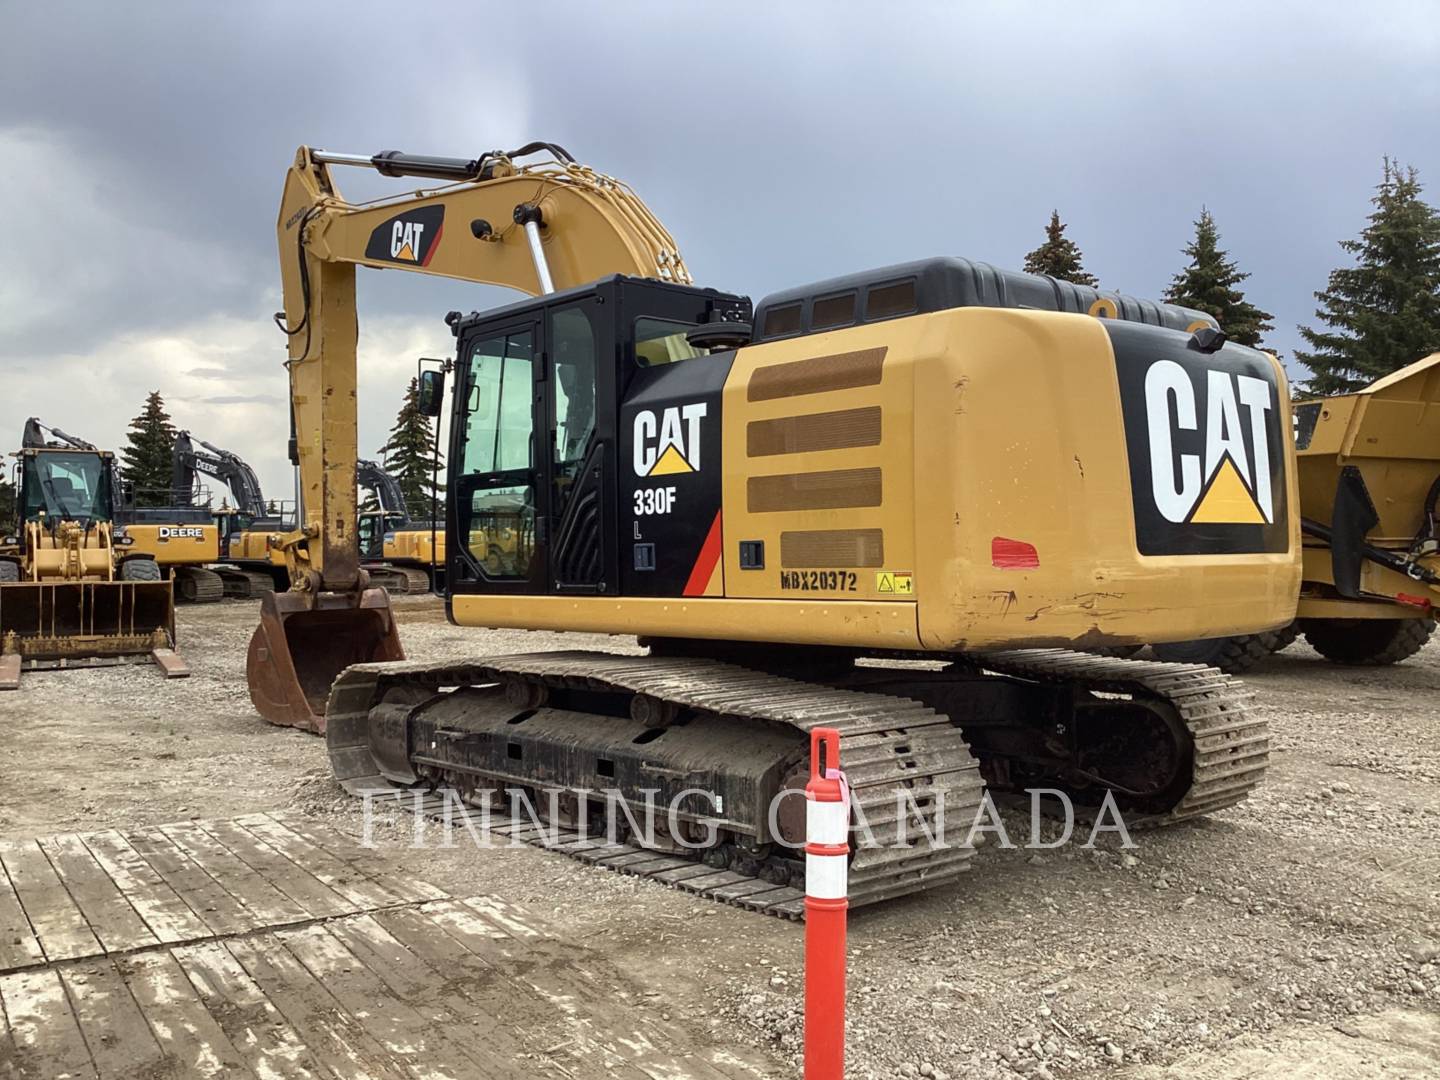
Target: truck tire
[[9, 571], [1232, 655], [1367, 642], [140, 570]]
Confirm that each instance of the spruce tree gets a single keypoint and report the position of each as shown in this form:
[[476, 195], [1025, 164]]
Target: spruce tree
[[1209, 284], [7, 506], [409, 455], [147, 460], [1383, 312], [1058, 256]]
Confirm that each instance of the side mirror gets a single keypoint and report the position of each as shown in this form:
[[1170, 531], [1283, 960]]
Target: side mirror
[[432, 392]]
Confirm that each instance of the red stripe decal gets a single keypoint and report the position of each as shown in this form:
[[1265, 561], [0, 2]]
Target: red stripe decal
[[704, 567], [434, 243], [1013, 554]]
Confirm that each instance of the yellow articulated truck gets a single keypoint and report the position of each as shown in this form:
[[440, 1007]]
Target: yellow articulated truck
[[73, 590], [1369, 473]]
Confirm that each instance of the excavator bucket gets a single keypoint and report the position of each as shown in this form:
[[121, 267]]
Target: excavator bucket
[[304, 641], [55, 624]]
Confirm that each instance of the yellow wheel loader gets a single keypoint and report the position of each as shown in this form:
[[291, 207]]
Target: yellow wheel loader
[[1369, 467], [73, 592], [166, 525], [895, 503]]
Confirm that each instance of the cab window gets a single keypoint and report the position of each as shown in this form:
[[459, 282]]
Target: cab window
[[495, 503], [66, 486], [662, 341]]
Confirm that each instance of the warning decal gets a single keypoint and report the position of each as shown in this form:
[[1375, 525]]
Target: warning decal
[[895, 582]]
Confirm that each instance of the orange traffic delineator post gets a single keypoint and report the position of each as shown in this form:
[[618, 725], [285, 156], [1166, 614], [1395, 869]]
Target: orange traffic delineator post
[[827, 856]]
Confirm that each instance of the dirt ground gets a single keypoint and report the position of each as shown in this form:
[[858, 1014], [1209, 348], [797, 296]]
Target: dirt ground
[[1296, 935]]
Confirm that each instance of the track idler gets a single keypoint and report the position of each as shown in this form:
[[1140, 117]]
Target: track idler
[[305, 640]]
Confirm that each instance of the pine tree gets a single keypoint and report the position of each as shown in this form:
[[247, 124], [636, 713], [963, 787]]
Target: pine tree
[[1058, 256], [1208, 283], [409, 455], [1383, 312], [147, 460]]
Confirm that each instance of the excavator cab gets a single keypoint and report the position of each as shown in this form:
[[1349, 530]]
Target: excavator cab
[[537, 442], [547, 397]]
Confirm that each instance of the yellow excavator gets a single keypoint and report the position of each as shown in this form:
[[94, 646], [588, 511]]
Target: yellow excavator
[[245, 565], [1369, 467], [790, 503], [74, 591], [398, 552]]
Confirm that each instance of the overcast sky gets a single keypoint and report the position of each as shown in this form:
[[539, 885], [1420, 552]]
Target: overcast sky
[[143, 146]]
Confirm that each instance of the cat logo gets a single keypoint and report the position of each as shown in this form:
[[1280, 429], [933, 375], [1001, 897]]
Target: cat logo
[[670, 442], [410, 238], [1206, 444], [1226, 483], [405, 239]]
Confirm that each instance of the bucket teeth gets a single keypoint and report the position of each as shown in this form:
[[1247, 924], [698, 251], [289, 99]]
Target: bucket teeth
[[64, 623]]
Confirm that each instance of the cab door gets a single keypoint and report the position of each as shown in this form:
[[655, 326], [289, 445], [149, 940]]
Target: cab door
[[578, 407], [496, 466]]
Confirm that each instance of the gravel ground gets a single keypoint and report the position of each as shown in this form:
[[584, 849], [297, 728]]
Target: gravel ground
[[1296, 935]]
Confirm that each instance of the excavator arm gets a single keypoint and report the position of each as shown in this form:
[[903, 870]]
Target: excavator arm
[[184, 464], [369, 475], [537, 227], [532, 228], [224, 466], [34, 437]]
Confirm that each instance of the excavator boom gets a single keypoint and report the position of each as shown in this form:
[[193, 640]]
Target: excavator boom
[[534, 228], [224, 466]]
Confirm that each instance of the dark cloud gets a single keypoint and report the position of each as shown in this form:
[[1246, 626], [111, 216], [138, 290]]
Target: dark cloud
[[780, 143]]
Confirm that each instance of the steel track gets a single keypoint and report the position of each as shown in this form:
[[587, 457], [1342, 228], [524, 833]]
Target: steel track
[[196, 585], [890, 745], [1231, 743]]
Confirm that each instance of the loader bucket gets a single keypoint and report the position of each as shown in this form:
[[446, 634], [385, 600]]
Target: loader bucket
[[51, 624], [304, 641]]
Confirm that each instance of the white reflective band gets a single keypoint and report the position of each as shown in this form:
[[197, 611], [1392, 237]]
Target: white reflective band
[[826, 822], [825, 876]]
